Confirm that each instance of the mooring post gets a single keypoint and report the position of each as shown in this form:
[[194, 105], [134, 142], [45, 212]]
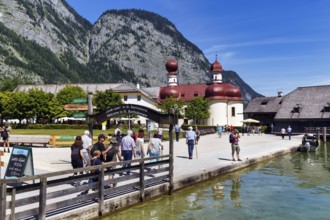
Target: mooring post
[[324, 134], [170, 133], [142, 185], [318, 134]]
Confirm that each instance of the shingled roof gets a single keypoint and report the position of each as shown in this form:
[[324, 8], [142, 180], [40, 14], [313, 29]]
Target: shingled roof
[[311, 102], [264, 105]]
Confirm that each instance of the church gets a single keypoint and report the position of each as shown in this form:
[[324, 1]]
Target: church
[[226, 103]]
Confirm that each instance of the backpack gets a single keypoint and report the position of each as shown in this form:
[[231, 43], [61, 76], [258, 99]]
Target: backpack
[[111, 153], [75, 153], [4, 134], [231, 138]]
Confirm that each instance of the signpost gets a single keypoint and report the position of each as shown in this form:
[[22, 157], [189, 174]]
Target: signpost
[[20, 163], [79, 115], [75, 107], [79, 101]]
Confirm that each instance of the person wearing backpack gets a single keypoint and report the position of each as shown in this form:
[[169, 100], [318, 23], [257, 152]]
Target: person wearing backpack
[[77, 155], [112, 156], [5, 137]]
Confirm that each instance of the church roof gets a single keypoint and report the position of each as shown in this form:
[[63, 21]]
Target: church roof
[[190, 91]]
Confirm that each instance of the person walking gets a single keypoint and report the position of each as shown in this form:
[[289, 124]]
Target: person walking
[[100, 146], [220, 129], [235, 145], [190, 140], [140, 144], [155, 146], [87, 145], [128, 149], [177, 129], [77, 156], [5, 137], [112, 156], [198, 135], [283, 133], [289, 130]]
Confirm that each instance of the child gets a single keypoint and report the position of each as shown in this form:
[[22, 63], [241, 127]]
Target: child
[[94, 162]]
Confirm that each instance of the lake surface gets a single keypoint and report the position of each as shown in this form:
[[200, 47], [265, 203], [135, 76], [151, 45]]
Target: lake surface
[[295, 186]]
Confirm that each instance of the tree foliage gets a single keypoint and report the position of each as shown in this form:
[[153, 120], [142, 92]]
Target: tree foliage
[[69, 93], [172, 106], [198, 109], [106, 99]]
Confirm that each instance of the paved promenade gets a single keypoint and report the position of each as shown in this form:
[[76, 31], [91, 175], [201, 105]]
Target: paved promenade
[[213, 153]]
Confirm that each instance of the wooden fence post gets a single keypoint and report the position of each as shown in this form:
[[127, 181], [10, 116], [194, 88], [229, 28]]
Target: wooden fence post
[[101, 191], [142, 185], [3, 200], [324, 134], [171, 165], [13, 199], [42, 199]]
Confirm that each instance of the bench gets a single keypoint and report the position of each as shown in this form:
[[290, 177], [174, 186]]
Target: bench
[[21, 139]]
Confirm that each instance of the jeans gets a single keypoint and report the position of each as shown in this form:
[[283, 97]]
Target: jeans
[[127, 155], [191, 147], [177, 135]]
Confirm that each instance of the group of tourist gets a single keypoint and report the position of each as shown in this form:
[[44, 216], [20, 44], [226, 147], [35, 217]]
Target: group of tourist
[[121, 148]]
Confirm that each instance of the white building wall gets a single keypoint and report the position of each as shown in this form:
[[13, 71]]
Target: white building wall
[[221, 113], [235, 120], [218, 113]]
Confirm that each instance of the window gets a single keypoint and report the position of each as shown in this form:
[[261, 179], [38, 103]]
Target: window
[[296, 109], [139, 98], [326, 109], [264, 103], [125, 97], [233, 113]]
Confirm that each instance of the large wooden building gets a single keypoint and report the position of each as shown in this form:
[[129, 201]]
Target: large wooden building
[[303, 107]]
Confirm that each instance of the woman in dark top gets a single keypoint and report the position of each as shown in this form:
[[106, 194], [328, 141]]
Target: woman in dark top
[[77, 155]]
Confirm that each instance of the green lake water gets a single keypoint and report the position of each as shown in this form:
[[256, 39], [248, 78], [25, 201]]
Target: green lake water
[[295, 186]]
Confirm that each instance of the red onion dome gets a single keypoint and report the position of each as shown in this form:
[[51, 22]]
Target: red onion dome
[[216, 67], [233, 91], [215, 90], [171, 66], [169, 91]]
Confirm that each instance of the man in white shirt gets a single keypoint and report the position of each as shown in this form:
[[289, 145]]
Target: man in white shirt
[[87, 145]]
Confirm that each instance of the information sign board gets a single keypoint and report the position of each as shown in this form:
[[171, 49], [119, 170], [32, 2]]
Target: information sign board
[[20, 163]]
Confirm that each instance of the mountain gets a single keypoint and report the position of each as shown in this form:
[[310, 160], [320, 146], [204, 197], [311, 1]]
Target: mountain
[[46, 41]]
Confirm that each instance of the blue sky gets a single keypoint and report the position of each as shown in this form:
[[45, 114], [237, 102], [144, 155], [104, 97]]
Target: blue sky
[[274, 45]]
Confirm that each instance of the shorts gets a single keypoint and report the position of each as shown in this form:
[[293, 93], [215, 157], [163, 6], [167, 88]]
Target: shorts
[[235, 147]]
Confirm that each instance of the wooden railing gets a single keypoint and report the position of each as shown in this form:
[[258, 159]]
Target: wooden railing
[[37, 196]]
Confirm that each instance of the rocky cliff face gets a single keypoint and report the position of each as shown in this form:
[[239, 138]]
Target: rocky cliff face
[[141, 42], [50, 23], [46, 41]]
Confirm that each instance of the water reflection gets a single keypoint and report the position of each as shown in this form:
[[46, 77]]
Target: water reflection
[[295, 186]]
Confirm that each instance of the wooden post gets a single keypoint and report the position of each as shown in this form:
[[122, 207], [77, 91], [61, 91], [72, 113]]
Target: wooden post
[[53, 141], [318, 133], [13, 198], [90, 112], [171, 165], [325, 135], [42, 198], [3, 200], [101, 191], [1, 162], [142, 185]]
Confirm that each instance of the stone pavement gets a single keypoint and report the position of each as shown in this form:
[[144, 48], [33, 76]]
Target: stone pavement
[[212, 153]]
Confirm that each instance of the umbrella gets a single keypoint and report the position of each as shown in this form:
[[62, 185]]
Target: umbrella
[[250, 120]]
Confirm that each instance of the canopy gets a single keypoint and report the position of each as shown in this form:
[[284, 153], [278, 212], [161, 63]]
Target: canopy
[[250, 120]]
